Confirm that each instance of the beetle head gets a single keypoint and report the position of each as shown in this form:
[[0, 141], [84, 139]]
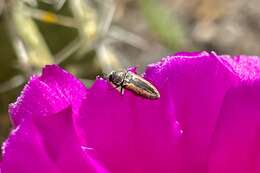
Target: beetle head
[[116, 77]]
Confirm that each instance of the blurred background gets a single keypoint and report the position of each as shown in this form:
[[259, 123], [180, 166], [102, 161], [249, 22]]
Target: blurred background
[[91, 37]]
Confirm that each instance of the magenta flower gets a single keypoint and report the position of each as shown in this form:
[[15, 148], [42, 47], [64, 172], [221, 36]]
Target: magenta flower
[[207, 120]]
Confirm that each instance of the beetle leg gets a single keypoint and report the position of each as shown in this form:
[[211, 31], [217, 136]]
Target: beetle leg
[[117, 86], [122, 90]]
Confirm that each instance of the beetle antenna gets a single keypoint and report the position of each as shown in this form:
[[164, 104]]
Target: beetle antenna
[[103, 75]]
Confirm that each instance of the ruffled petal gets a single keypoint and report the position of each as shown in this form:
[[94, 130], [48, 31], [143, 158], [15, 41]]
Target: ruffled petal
[[106, 123], [128, 127], [235, 146], [62, 144], [23, 152], [172, 133], [196, 84], [206, 120], [47, 144], [47, 94], [69, 87], [236, 140], [39, 106], [247, 68]]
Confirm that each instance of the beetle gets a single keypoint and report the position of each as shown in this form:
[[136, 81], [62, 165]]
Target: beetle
[[133, 82]]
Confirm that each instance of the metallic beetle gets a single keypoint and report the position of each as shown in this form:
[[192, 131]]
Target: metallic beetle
[[133, 82]]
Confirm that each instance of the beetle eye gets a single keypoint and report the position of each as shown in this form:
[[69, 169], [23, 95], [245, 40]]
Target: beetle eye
[[110, 78]]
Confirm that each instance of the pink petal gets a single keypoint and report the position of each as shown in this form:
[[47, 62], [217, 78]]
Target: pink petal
[[143, 133], [197, 84], [207, 120], [49, 144], [123, 132], [69, 87], [62, 144], [235, 146], [49, 93], [39, 108], [23, 152]]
